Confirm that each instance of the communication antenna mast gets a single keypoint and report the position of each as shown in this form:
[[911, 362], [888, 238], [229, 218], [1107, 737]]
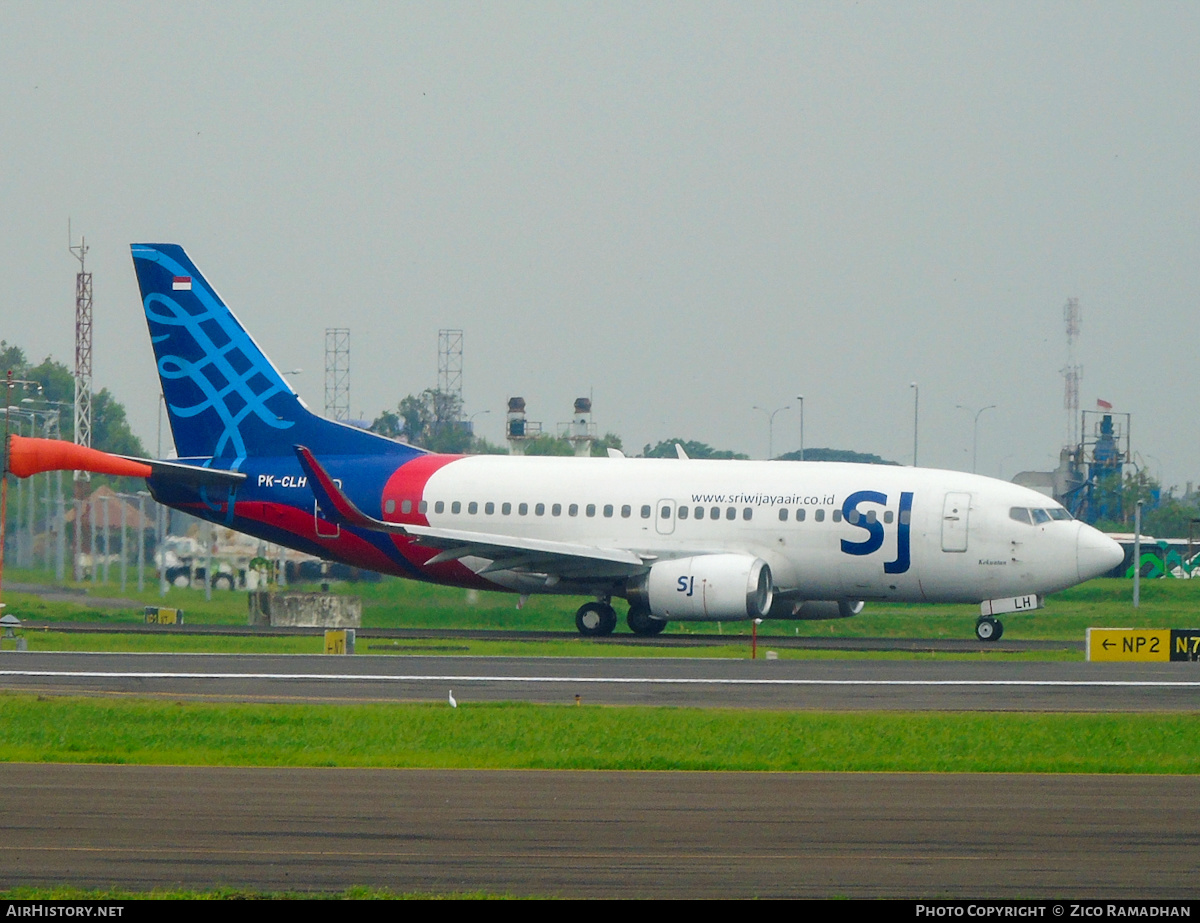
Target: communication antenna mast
[[1073, 371], [83, 347], [337, 373], [83, 385], [450, 366]]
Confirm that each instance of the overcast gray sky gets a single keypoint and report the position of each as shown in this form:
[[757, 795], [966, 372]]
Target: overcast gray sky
[[683, 209]]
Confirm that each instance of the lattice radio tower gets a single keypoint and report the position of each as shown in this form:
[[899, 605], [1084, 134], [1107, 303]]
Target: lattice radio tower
[[337, 373], [83, 386], [450, 367], [1073, 371], [83, 348]]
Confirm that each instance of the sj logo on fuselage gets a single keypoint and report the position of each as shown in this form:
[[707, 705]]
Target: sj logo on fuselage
[[875, 529]]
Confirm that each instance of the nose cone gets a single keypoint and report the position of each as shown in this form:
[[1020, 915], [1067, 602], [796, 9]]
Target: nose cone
[[1096, 553]]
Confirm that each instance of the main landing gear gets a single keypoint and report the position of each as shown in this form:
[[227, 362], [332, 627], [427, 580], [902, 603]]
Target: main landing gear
[[643, 623], [595, 619], [988, 629]]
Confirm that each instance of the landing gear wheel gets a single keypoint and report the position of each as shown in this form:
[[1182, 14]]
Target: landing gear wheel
[[595, 619], [643, 623], [988, 629]]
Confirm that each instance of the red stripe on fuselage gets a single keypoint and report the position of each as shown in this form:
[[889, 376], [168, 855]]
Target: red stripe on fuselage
[[345, 546], [407, 485]]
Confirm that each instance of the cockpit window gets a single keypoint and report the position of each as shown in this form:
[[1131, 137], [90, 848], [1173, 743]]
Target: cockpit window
[[1037, 517]]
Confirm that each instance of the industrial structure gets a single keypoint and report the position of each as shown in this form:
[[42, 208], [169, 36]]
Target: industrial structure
[[337, 373], [83, 376], [581, 431], [517, 430], [1096, 448]]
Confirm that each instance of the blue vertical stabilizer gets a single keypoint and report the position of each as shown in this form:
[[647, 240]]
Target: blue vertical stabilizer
[[224, 398]]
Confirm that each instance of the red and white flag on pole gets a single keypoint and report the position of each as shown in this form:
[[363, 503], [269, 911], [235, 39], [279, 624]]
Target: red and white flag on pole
[[1103, 405]]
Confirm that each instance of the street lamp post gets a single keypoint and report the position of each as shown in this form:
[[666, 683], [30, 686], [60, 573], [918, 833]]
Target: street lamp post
[[771, 427], [975, 433], [916, 417], [800, 398]]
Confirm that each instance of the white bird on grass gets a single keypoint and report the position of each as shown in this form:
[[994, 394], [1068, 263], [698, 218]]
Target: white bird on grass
[[453, 702]]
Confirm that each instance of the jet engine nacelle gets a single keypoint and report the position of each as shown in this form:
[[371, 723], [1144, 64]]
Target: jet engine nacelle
[[708, 587], [815, 609]]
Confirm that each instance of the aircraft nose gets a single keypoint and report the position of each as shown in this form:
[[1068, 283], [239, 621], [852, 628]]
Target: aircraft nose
[[1096, 553]]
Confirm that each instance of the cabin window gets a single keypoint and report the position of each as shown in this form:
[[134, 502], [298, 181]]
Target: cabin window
[[645, 512], [852, 517], [1040, 516], [871, 517], [887, 516], [730, 513], [905, 517], [456, 507], [406, 506], [489, 507], [714, 513], [506, 509], [539, 510], [837, 515], [472, 507], [590, 509], [683, 512], [390, 506], [665, 512], [523, 509], [747, 513], [440, 506], [556, 510], [608, 511], [626, 511], [800, 514], [783, 514], [699, 511], [573, 509], [819, 515]]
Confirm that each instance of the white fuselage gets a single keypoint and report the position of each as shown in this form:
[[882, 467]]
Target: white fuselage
[[827, 530]]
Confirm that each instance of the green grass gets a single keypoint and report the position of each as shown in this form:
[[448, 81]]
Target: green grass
[[394, 603], [517, 736], [739, 649]]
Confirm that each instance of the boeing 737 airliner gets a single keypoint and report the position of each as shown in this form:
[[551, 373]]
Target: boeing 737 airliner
[[678, 539]]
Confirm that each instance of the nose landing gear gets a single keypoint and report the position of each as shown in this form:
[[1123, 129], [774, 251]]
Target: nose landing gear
[[988, 629]]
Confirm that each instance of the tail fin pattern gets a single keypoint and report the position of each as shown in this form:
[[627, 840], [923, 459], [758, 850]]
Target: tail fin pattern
[[224, 398]]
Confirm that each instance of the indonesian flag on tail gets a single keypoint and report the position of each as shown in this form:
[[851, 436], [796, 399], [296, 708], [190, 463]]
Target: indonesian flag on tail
[[181, 284], [1103, 405]]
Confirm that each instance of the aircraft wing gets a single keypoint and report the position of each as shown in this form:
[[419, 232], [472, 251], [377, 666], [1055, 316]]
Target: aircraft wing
[[504, 552]]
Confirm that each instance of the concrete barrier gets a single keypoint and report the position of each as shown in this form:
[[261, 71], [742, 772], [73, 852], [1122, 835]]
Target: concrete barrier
[[305, 610]]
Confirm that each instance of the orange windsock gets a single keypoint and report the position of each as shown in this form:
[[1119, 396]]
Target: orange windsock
[[27, 456]]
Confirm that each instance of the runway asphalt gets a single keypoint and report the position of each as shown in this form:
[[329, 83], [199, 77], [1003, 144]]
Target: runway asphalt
[[815, 684], [606, 834], [602, 834]]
